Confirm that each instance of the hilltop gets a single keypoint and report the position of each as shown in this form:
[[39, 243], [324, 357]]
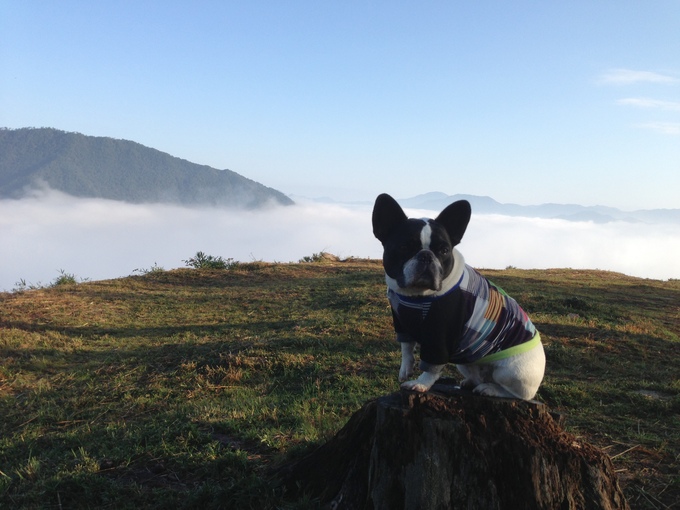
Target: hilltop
[[184, 387], [100, 167]]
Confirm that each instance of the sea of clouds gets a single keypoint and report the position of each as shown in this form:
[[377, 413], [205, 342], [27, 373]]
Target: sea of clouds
[[97, 239]]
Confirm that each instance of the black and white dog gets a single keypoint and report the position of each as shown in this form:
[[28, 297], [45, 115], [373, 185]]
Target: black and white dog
[[453, 312]]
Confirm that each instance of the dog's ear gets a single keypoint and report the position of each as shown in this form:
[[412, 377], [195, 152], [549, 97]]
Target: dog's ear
[[455, 219], [387, 214]]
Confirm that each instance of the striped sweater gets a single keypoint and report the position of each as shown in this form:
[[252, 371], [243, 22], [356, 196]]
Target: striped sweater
[[472, 320]]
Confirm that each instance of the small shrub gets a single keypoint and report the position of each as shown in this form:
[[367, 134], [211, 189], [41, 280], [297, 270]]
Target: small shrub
[[203, 261], [22, 285], [65, 278], [153, 269], [314, 257]]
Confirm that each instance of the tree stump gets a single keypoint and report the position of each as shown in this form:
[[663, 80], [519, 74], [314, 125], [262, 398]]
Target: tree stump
[[449, 448]]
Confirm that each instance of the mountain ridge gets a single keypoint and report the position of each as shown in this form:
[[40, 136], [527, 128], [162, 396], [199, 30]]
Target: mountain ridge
[[437, 200], [103, 167], [569, 212]]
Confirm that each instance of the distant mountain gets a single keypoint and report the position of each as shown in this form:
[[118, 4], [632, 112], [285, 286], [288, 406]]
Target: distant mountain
[[436, 201], [88, 166]]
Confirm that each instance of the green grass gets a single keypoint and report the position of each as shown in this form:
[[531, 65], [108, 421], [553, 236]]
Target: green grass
[[180, 389]]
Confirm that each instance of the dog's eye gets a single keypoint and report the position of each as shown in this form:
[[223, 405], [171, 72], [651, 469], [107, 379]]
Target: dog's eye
[[444, 250]]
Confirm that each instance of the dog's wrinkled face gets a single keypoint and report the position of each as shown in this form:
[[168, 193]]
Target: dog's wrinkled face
[[418, 253]]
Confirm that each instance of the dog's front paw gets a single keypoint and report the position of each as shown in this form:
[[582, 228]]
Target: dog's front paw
[[423, 383], [415, 386]]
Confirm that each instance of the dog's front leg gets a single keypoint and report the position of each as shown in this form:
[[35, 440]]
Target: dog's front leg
[[408, 360], [425, 381]]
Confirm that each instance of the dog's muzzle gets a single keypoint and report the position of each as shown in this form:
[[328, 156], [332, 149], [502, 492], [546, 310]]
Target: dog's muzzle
[[423, 271]]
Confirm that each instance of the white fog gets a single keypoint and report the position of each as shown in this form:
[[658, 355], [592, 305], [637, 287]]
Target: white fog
[[99, 239]]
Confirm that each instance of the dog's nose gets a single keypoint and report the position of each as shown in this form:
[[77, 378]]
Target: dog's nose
[[425, 257]]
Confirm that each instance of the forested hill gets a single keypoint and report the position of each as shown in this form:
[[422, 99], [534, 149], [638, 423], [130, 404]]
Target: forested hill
[[88, 166]]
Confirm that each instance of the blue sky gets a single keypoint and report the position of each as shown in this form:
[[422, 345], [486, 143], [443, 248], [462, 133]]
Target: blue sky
[[524, 101]]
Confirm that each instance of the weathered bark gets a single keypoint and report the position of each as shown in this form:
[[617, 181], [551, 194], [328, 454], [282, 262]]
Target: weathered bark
[[450, 449]]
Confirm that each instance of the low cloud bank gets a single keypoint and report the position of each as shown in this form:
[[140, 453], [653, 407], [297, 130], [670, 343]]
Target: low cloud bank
[[100, 239]]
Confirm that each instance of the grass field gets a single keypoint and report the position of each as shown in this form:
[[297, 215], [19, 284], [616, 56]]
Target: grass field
[[180, 389]]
